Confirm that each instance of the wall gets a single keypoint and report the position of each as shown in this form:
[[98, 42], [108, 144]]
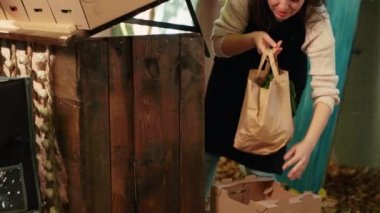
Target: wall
[[356, 139]]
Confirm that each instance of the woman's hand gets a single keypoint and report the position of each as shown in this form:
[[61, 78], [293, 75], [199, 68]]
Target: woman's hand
[[263, 41], [298, 156], [234, 44]]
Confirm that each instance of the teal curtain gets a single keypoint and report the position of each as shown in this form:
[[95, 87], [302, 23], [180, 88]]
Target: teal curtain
[[344, 15]]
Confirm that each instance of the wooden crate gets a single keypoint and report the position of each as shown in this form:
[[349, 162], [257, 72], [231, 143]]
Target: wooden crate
[[129, 115]]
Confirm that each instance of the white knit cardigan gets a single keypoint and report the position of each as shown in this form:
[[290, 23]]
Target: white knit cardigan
[[319, 46]]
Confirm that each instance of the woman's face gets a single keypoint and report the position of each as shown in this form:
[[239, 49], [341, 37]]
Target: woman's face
[[284, 9]]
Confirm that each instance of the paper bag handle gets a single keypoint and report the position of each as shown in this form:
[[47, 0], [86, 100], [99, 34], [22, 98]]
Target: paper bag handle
[[268, 54]]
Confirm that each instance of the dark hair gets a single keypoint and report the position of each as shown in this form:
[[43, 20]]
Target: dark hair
[[263, 17]]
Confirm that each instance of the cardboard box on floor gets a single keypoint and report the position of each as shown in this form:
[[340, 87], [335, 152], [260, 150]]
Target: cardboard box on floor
[[260, 195]]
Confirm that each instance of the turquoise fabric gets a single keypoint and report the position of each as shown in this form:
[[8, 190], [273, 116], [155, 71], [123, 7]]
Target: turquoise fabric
[[344, 15]]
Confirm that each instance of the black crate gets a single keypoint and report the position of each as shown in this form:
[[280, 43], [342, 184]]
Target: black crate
[[17, 139]]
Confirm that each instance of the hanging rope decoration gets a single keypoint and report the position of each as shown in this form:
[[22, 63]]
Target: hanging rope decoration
[[11, 63], [51, 170], [27, 60]]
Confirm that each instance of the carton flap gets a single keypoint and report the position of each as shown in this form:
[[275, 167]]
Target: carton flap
[[247, 196]]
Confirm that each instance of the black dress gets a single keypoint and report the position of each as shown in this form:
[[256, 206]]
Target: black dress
[[226, 88]]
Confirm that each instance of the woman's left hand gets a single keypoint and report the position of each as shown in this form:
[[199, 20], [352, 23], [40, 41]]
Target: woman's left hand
[[298, 156]]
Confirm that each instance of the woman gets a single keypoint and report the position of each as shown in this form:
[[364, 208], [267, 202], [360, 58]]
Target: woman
[[298, 30]]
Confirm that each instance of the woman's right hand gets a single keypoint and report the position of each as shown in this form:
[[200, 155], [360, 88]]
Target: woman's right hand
[[263, 41]]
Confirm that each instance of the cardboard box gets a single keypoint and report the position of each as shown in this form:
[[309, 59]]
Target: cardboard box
[[14, 10], [2, 15], [69, 12], [101, 11], [88, 15], [58, 21], [39, 11], [260, 195]]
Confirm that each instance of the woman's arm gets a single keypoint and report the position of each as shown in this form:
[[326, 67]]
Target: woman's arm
[[234, 44], [320, 47], [228, 38], [299, 154]]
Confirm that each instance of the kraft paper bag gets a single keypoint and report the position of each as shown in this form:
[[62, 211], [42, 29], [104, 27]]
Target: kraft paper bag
[[266, 122]]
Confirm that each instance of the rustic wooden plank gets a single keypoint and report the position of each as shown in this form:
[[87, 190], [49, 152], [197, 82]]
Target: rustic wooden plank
[[67, 114], [94, 124], [65, 76], [191, 124], [156, 86], [121, 125], [67, 128], [75, 184]]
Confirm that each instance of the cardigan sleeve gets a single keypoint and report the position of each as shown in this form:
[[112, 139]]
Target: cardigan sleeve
[[233, 19], [320, 47]]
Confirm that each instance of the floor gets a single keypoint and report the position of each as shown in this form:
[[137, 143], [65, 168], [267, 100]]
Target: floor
[[348, 189]]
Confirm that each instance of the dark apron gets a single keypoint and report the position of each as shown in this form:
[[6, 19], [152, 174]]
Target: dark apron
[[226, 88]]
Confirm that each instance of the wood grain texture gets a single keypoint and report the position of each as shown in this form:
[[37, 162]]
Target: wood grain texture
[[67, 124], [94, 124], [130, 123], [65, 76], [191, 124], [121, 125], [67, 113], [156, 86], [75, 187]]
